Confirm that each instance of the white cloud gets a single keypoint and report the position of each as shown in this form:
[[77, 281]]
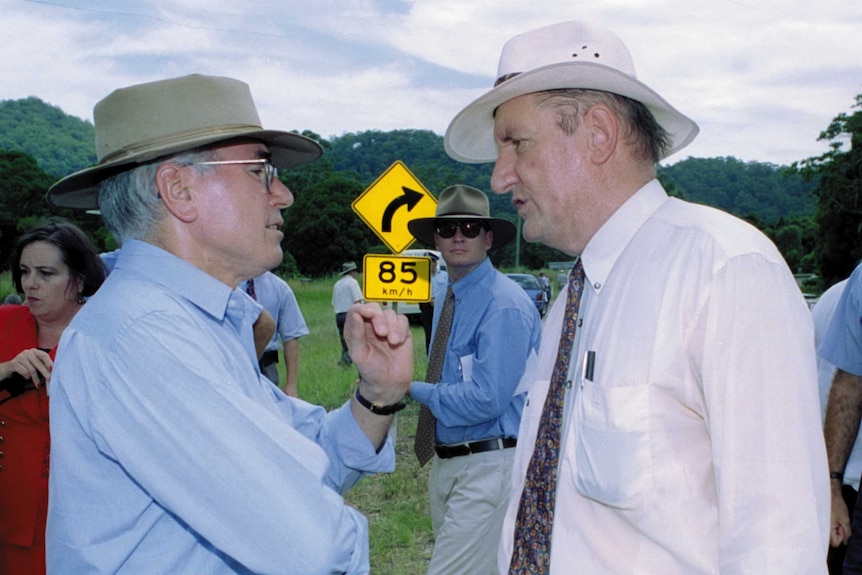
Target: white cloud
[[761, 77]]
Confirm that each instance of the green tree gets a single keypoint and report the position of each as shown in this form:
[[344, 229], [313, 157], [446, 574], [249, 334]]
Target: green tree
[[22, 197], [839, 192], [23, 185], [741, 188], [788, 239], [321, 229]]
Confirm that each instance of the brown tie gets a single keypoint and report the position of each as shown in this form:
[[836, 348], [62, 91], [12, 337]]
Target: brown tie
[[249, 289], [424, 443]]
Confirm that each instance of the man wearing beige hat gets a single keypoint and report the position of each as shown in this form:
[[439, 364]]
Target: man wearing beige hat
[[485, 329], [672, 426], [171, 452]]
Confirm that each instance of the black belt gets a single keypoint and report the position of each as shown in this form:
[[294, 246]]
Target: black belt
[[269, 357], [448, 451]]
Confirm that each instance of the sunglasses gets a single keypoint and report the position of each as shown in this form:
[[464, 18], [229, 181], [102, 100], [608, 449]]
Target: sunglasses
[[267, 173], [469, 228]]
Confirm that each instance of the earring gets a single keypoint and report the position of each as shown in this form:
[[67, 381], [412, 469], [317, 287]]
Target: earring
[[81, 299]]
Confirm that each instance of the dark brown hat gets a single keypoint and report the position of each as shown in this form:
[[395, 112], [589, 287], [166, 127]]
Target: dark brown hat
[[461, 202]]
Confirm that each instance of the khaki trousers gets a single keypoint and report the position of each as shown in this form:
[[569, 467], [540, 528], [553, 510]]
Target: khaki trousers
[[469, 496]]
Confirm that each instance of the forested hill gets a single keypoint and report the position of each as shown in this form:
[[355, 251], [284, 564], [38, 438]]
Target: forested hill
[[763, 191], [62, 144], [753, 190]]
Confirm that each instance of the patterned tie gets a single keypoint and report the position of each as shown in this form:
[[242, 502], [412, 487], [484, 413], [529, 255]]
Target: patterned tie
[[531, 553], [249, 289], [423, 445]]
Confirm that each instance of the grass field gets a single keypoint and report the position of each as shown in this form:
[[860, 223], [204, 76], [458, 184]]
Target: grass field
[[396, 504]]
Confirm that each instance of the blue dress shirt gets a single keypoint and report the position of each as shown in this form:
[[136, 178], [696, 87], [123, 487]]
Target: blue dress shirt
[[170, 452], [494, 330], [842, 342], [276, 297]]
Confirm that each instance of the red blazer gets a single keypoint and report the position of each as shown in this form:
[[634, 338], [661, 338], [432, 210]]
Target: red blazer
[[25, 444]]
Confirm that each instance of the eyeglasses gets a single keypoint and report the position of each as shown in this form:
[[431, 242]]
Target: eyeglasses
[[469, 228], [269, 172]]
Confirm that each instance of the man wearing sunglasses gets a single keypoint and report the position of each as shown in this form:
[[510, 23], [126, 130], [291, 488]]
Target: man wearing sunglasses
[[172, 453], [477, 402]]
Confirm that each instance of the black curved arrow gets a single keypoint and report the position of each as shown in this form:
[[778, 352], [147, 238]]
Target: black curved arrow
[[409, 199]]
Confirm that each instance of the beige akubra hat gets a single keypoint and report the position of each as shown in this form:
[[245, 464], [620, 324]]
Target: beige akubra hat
[[461, 202], [564, 55], [141, 123]]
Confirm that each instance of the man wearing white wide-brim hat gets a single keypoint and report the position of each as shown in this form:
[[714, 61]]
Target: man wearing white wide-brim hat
[[672, 426], [171, 452]]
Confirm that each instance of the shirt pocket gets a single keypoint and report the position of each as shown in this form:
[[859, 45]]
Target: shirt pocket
[[613, 463]]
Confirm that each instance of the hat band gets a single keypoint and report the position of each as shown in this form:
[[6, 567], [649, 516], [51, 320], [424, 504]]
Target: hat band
[[165, 144], [474, 214], [505, 77]]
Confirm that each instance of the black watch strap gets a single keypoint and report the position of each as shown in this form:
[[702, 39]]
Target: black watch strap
[[379, 409]]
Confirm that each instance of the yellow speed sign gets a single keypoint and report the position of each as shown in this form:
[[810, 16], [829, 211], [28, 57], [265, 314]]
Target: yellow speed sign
[[396, 278]]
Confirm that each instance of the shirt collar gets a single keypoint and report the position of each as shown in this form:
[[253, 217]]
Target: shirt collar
[[176, 275], [605, 247], [479, 274]]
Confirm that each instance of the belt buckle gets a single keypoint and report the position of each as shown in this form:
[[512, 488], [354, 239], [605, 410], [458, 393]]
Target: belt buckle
[[459, 450]]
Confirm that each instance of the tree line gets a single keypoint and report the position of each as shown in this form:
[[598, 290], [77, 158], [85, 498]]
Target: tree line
[[809, 209]]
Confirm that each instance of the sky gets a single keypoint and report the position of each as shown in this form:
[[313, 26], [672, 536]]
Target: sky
[[762, 78]]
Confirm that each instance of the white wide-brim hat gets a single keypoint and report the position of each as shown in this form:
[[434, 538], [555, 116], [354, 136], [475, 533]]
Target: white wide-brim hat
[[565, 55], [142, 123]]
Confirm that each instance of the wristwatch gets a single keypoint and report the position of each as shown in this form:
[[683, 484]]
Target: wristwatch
[[379, 409]]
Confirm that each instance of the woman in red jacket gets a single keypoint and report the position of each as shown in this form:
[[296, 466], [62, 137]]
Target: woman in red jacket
[[56, 267]]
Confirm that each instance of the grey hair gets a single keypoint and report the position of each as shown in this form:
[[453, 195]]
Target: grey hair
[[129, 201], [649, 141]]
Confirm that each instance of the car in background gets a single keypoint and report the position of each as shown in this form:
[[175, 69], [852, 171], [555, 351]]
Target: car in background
[[534, 289]]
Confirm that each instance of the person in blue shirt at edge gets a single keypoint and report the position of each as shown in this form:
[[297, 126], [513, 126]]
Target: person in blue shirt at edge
[[279, 301], [172, 453], [477, 403]]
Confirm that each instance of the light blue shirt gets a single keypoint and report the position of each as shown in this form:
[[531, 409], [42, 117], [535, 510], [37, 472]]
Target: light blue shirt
[[439, 283], [278, 299], [494, 330], [823, 313], [842, 343], [171, 454]]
